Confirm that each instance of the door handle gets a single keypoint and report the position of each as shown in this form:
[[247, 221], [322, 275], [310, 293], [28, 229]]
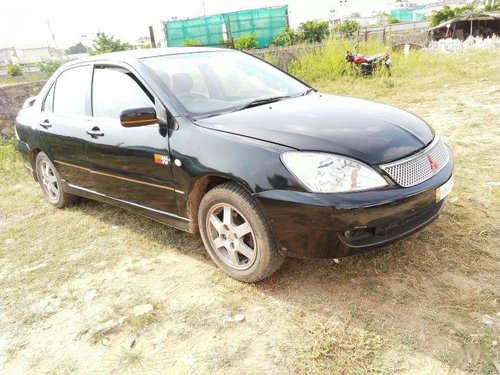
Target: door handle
[[95, 132], [46, 124]]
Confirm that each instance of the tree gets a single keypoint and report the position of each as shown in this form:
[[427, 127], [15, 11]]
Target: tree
[[77, 48], [314, 31], [448, 13], [442, 15], [14, 70], [346, 29], [104, 43], [246, 41], [492, 7]]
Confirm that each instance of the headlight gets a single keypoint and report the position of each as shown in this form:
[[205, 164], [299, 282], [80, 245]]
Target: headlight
[[327, 173]]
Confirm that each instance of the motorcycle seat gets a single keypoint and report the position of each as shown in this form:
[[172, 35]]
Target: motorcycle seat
[[373, 58]]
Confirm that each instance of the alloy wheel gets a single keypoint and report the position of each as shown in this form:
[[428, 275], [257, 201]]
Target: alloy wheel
[[231, 236], [49, 181]]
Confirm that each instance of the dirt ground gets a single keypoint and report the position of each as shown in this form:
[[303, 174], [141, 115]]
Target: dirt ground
[[94, 289]]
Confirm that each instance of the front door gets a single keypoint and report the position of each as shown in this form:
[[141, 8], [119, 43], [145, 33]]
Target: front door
[[128, 164], [62, 124]]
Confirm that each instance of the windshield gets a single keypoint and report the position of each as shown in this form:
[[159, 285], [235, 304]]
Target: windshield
[[210, 83]]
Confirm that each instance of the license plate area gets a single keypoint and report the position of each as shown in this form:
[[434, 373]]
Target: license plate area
[[444, 190]]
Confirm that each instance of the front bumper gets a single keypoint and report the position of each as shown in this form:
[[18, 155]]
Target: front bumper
[[310, 225]]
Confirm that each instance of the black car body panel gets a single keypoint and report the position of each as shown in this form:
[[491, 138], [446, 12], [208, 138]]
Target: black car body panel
[[101, 160], [368, 131], [350, 223]]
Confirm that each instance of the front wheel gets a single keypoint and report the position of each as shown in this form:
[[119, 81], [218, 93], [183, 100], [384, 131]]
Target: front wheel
[[236, 234]]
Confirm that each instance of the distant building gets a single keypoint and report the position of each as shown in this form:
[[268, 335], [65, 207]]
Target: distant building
[[28, 55], [6, 55]]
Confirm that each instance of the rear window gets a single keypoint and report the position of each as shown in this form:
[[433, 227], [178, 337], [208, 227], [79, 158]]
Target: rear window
[[71, 91]]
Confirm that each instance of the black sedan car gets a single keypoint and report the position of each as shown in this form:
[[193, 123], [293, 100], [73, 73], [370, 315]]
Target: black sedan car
[[221, 143]]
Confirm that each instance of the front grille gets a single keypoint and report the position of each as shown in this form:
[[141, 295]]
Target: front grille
[[417, 168]]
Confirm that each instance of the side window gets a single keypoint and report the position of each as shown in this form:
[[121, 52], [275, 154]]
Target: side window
[[48, 104], [114, 90], [70, 92]]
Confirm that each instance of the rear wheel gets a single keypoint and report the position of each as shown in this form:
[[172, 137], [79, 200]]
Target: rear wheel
[[237, 235], [50, 181]]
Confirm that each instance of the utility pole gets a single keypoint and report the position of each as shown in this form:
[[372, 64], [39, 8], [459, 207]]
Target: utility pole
[[52, 34], [152, 37]]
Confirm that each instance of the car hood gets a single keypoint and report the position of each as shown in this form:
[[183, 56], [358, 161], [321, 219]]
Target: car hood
[[372, 132]]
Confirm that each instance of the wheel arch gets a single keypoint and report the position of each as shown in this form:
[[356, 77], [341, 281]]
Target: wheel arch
[[201, 186], [32, 159]]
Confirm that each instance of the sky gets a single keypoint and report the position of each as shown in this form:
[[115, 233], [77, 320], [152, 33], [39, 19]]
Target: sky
[[25, 23]]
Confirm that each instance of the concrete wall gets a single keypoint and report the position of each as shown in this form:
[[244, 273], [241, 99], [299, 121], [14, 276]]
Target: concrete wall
[[12, 98]]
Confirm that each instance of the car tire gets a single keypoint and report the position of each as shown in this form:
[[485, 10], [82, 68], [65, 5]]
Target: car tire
[[236, 234], [50, 182]]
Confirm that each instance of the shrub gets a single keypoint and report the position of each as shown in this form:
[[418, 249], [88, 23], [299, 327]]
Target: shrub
[[314, 31], [346, 29], [384, 18], [246, 41], [49, 67], [14, 70], [288, 37], [225, 43], [191, 43], [271, 59], [392, 20]]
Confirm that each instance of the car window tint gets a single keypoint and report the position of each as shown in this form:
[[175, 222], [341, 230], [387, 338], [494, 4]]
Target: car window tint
[[185, 79], [113, 91], [70, 91], [242, 80], [48, 104]]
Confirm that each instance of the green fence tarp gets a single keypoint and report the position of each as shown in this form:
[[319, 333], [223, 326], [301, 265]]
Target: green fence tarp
[[409, 14], [266, 23], [207, 30]]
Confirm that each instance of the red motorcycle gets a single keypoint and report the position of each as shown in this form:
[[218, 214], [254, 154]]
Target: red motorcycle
[[367, 64]]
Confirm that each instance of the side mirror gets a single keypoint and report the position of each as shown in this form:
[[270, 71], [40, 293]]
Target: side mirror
[[134, 117]]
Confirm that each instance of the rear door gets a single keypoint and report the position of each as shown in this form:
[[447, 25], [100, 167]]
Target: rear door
[[63, 122], [129, 164]]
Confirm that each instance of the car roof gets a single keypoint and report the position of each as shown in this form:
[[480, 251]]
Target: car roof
[[134, 55]]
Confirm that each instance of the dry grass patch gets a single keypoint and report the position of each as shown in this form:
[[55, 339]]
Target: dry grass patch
[[329, 346]]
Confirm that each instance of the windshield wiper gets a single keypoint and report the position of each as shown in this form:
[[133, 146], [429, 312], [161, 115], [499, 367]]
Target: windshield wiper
[[257, 102], [308, 91]]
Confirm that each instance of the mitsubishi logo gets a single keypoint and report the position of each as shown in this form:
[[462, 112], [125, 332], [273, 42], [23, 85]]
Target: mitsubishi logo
[[434, 165]]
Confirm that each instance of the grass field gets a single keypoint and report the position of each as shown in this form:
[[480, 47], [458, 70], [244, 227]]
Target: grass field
[[26, 77], [71, 280]]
